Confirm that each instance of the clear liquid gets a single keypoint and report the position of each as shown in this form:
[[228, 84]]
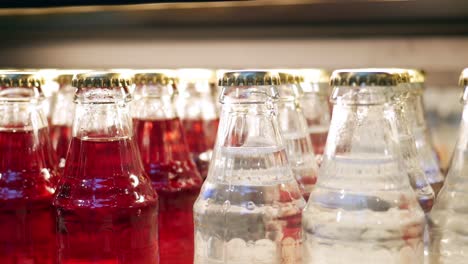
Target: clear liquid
[[428, 160], [449, 236], [418, 178], [449, 218], [249, 210], [361, 213]]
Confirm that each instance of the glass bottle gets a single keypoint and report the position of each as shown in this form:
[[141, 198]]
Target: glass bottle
[[411, 157], [198, 112], [316, 108], [424, 144], [28, 172], [49, 88], [449, 238], [293, 127], [250, 207], [166, 158], [106, 207], [63, 110], [363, 209]]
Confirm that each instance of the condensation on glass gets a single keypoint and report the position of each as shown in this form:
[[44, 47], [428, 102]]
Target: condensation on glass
[[250, 207], [449, 217], [363, 209]]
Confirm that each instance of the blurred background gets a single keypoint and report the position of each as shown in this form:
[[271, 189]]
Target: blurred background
[[425, 34]]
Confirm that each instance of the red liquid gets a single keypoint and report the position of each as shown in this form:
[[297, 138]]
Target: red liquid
[[27, 183], [201, 137], [61, 137], [175, 177], [319, 140], [106, 208]]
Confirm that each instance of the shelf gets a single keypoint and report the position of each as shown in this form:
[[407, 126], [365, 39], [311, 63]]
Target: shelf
[[317, 18]]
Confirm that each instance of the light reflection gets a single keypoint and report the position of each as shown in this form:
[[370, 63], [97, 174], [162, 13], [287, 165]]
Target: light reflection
[[134, 180]]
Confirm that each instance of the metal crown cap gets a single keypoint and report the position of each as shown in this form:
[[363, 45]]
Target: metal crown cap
[[369, 77], [416, 76], [464, 77], [20, 79], [288, 78], [64, 79], [161, 77], [249, 78], [102, 79]]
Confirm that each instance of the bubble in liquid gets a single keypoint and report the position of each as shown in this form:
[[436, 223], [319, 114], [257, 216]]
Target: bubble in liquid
[[251, 205]]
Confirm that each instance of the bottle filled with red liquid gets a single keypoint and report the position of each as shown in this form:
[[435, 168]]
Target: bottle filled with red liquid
[[166, 158], [199, 113], [316, 107], [106, 207], [63, 110], [28, 172]]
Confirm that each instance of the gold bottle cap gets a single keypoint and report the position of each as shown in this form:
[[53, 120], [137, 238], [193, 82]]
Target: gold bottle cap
[[369, 77], [64, 79], [249, 78], [289, 78], [416, 76], [290, 87], [155, 77], [464, 77], [20, 79], [20, 85], [102, 79]]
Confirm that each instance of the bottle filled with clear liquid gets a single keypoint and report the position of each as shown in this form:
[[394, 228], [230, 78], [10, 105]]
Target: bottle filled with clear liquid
[[63, 109], [316, 108], [28, 172], [363, 209], [424, 145], [250, 207], [410, 155], [449, 217], [199, 114], [293, 127], [107, 210], [166, 158]]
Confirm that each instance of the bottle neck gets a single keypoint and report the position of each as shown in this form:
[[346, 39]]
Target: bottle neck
[[249, 147], [316, 110], [456, 175], [153, 103], [363, 145], [158, 129], [63, 107], [24, 115], [102, 121], [196, 106], [415, 104]]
